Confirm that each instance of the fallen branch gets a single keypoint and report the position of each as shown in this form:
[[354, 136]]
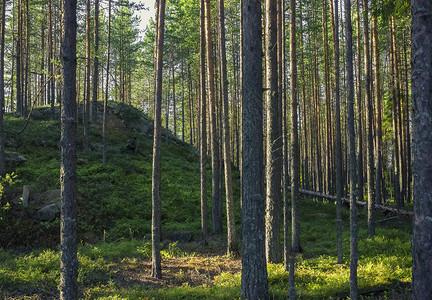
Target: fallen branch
[[359, 203], [387, 219]]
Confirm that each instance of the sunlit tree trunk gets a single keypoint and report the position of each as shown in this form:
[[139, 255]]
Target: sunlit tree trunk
[[338, 143], [393, 93], [369, 124], [203, 128], [378, 121], [2, 87], [104, 125], [86, 124], [273, 138], [216, 200], [232, 247], [295, 152], [156, 173]]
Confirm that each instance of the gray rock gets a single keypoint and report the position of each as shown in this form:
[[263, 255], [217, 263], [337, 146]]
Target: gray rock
[[49, 212], [48, 197], [14, 159]]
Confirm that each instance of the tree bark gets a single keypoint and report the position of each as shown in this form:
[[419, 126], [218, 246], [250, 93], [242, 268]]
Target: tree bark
[[352, 150], [86, 124], [360, 113], [378, 121], [338, 143], [254, 283], [295, 152], [273, 139], [232, 247], [96, 61], [156, 173], [68, 175], [216, 200], [203, 128], [2, 87], [422, 170], [104, 124], [369, 124]]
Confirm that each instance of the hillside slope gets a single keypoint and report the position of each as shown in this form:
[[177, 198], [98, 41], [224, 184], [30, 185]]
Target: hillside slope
[[114, 199]]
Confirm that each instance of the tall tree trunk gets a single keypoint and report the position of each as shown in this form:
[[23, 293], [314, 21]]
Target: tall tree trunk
[[407, 126], [182, 100], [352, 159], [328, 134], [156, 173], [338, 143], [96, 61], [422, 124], [42, 64], [203, 128], [273, 138], [68, 175], [360, 176], [254, 284], [174, 100], [232, 247], [216, 200], [369, 124], [393, 92], [51, 96], [2, 87], [378, 122], [18, 53], [104, 129], [295, 152], [86, 124]]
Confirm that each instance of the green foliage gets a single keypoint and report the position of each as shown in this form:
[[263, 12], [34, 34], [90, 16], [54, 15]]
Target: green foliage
[[6, 181]]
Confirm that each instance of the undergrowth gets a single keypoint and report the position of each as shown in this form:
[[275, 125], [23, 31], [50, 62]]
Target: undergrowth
[[114, 217]]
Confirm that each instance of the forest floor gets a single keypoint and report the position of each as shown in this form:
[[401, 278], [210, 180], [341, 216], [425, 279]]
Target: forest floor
[[114, 213]]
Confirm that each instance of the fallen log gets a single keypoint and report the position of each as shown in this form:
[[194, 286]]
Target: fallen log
[[359, 203]]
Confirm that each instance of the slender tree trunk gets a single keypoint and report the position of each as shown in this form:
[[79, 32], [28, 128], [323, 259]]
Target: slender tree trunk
[[378, 122], [360, 113], [328, 134], [392, 86], [422, 124], [369, 124], [232, 247], [273, 138], [86, 124], [174, 100], [18, 46], [68, 175], [203, 128], [182, 100], [295, 152], [96, 61], [2, 87], [352, 160], [104, 126], [254, 283], [216, 200], [338, 143], [156, 173], [407, 127]]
